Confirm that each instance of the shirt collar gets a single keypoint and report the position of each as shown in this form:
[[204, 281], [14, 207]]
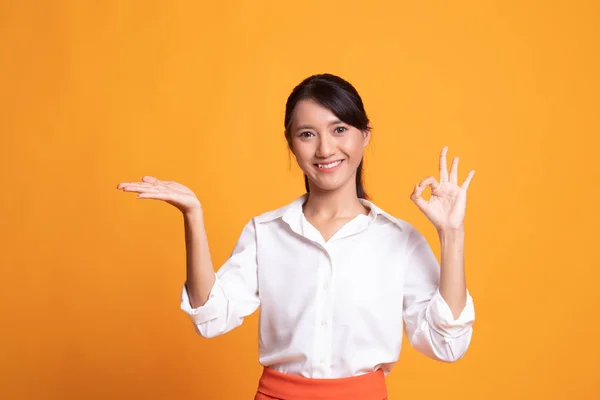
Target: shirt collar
[[290, 213]]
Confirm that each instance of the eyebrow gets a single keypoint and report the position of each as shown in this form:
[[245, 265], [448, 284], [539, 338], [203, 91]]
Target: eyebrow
[[334, 122]]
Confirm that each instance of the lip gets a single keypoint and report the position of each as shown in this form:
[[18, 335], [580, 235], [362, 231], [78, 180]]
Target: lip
[[327, 170]]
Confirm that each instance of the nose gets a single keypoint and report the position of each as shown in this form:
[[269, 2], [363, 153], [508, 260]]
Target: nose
[[327, 146]]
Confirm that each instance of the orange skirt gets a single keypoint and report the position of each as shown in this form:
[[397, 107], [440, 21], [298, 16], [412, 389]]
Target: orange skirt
[[280, 386]]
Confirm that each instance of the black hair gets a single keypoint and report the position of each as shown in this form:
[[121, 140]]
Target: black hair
[[341, 98]]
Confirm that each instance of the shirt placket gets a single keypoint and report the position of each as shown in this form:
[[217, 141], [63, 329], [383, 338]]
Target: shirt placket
[[323, 322]]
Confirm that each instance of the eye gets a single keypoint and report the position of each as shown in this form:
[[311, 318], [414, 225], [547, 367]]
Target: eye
[[306, 134], [340, 129]]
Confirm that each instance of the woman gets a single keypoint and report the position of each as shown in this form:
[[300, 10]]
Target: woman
[[336, 277]]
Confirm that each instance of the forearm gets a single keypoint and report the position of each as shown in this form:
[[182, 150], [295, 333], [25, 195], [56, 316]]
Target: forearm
[[452, 275], [199, 268]]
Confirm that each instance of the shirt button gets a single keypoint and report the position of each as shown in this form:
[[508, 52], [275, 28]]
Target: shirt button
[[322, 360], [323, 323]]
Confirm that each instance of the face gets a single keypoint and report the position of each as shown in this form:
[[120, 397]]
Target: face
[[327, 150]]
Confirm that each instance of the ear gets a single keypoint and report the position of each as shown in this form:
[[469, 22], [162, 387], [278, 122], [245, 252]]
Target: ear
[[366, 136]]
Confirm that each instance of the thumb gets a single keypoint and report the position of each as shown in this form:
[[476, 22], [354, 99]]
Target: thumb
[[149, 179]]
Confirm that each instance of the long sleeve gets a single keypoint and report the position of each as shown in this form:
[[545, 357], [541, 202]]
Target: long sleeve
[[234, 294], [428, 320]]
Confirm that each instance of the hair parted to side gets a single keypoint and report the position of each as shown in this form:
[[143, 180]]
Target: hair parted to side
[[341, 98]]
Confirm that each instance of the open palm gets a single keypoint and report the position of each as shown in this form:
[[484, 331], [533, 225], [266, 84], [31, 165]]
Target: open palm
[[447, 205], [171, 192]]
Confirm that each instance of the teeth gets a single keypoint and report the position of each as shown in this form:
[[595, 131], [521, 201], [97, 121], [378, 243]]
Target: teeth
[[331, 165]]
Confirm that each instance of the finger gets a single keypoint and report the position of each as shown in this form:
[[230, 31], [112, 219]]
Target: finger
[[454, 171], [138, 187], [155, 195], [443, 165], [431, 182], [416, 197], [467, 181], [127, 184], [418, 190], [150, 179]]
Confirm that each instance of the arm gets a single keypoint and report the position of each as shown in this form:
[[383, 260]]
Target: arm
[[234, 293], [429, 323], [452, 280], [440, 309], [216, 303], [199, 267]]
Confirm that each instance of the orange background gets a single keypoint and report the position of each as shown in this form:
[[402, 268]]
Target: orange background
[[96, 93]]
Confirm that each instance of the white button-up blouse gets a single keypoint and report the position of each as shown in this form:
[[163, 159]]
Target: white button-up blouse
[[336, 308]]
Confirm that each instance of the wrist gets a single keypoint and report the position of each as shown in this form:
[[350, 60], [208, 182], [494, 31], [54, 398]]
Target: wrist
[[193, 213], [453, 231]]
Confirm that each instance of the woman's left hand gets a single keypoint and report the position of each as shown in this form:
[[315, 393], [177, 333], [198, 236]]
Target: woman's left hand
[[446, 207]]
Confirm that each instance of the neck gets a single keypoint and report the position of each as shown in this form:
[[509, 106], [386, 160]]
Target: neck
[[340, 203]]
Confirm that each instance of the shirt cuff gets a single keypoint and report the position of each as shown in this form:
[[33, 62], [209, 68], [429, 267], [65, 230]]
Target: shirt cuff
[[440, 317], [209, 310]]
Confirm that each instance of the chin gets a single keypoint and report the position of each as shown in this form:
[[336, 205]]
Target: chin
[[327, 186]]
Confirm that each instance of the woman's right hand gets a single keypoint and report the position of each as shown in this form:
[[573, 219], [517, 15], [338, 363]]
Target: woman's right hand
[[171, 192]]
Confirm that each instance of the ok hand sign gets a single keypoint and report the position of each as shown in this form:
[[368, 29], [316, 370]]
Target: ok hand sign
[[446, 207]]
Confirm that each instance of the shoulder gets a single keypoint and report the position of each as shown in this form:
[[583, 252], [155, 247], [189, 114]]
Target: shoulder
[[405, 230]]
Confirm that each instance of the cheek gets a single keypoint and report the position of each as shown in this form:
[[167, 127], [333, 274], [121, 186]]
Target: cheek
[[301, 151], [354, 147]]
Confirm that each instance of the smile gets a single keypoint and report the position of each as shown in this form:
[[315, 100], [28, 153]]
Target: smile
[[329, 165]]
